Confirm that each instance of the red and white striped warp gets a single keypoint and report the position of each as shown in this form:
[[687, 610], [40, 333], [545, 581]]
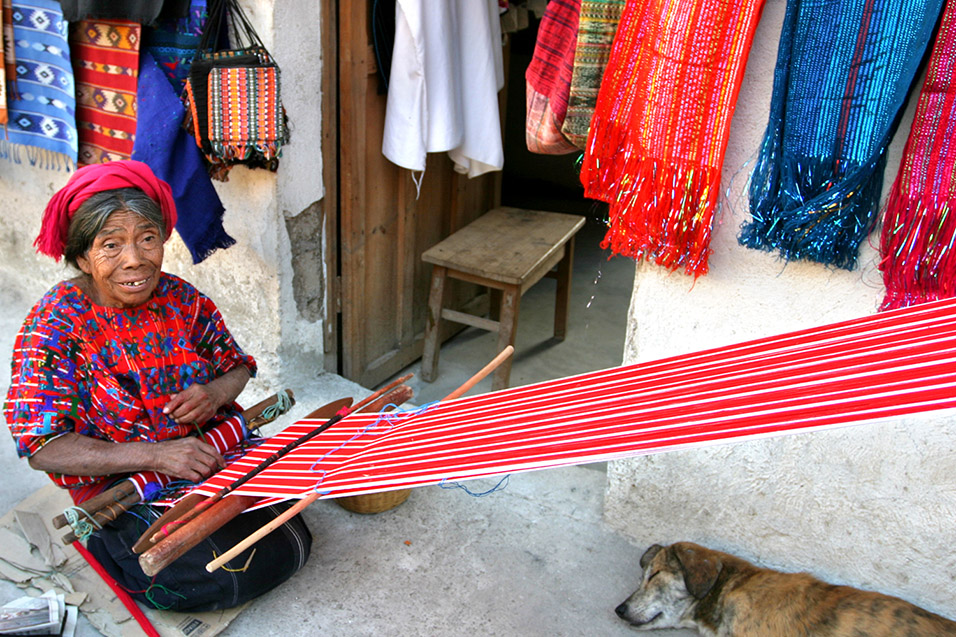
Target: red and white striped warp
[[881, 366]]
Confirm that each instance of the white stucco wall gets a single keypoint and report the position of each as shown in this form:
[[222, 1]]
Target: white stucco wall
[[251, 281], [871, 506]]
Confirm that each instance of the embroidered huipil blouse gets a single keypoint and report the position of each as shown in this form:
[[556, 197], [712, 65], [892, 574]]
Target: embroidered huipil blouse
[[108, 372]]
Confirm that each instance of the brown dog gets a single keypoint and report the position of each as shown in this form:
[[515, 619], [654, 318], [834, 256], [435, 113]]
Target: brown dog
[[689, 586]]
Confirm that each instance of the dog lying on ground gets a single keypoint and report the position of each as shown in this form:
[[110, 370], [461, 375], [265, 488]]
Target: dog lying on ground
[[690, 586]]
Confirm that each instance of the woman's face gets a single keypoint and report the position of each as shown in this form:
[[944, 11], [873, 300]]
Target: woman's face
[[124, 261]]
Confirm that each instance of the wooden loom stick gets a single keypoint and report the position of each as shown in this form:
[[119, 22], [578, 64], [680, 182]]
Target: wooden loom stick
[[211, 500], [168, 549], [312, 497], [105, 507], [106, 514], [165, 526], [114, 494]]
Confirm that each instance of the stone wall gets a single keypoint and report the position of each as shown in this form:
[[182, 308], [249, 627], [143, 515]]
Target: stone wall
[[870, 506]]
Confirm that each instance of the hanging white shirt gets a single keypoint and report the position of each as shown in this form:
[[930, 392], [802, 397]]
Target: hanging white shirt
[[443, 86]]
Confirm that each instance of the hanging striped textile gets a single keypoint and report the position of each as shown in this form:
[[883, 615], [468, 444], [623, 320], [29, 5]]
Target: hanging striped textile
[[843, 72], [106, 63], [888, 365], [548, 79], [9, 47], [4, 114], [918, 242], [661, 124], [40, 91], [596, 29]]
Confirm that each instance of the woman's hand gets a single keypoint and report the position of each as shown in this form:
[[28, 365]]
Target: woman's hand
[[195, 404], [187, 458], [198, 403]]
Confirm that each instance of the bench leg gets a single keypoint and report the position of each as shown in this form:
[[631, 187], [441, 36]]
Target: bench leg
[[507, 329], [562, 300], [432, 323]]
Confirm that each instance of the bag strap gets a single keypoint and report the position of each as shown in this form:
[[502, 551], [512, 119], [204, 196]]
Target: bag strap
[[229, 13], [246, 36]]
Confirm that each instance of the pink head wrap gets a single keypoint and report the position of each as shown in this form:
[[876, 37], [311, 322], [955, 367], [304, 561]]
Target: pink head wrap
[[89, 180]]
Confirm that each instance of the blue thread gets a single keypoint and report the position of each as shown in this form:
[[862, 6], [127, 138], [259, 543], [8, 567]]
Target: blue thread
[[502, 485], [151, 490], [139, 517]]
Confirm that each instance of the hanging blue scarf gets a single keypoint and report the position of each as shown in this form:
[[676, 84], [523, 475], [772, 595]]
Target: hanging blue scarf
[[165, 146], [42, 98], [844, 69]]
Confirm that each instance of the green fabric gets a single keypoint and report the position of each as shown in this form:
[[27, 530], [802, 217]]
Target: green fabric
[[596, 29]]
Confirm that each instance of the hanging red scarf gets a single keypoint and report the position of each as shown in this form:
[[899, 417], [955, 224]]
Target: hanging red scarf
[[918, 241], [660, 127]]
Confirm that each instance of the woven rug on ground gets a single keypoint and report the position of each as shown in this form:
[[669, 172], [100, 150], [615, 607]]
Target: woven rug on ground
[[40, 96], [548, 79], [843, 72], [918, 243], [596, 29], [661, 125], [106, 63]]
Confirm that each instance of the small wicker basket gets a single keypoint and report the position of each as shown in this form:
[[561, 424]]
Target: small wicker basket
[[374, 502]]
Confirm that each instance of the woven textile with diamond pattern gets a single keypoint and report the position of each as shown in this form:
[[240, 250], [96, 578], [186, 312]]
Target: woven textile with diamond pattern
[[883, 366]]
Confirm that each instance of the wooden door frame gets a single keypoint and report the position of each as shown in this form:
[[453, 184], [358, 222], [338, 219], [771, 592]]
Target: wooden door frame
[[329, 41], [352, 216]]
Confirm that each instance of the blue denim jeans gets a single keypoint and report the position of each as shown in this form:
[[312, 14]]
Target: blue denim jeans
[[185, 585]]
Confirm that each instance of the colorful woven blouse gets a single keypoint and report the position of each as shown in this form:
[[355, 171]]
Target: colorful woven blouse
[[107, 372]]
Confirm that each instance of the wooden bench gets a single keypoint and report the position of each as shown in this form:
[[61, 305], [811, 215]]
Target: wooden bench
[[506, 249]]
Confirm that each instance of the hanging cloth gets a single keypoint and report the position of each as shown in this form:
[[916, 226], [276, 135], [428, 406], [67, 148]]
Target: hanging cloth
[[106, 63], [596, 29], [3, 76], [173, 43], [843, 72], [548, 79], [661, 124], [918, 243], [141, 11], [9, 47], [446, 72], [40, 96], [164, 145]]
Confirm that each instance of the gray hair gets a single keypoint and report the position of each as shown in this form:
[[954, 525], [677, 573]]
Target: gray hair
[[93, 213]]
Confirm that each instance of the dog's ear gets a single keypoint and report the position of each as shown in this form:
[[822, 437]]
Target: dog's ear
[[649, 555], [700, 569]]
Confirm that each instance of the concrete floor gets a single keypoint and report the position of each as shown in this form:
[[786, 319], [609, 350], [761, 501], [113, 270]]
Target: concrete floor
[[532, 558]]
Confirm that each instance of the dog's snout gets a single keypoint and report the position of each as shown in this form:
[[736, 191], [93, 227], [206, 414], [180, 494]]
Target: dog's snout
[[621, 610]]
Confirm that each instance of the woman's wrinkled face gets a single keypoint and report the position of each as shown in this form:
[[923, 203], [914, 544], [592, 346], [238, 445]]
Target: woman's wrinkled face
[[124, 261]]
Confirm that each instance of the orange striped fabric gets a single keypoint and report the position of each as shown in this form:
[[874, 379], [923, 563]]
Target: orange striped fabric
[[661, 123], [105, 56]]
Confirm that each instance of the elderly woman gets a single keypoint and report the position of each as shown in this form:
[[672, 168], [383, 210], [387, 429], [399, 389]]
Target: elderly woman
[[126, 371]]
